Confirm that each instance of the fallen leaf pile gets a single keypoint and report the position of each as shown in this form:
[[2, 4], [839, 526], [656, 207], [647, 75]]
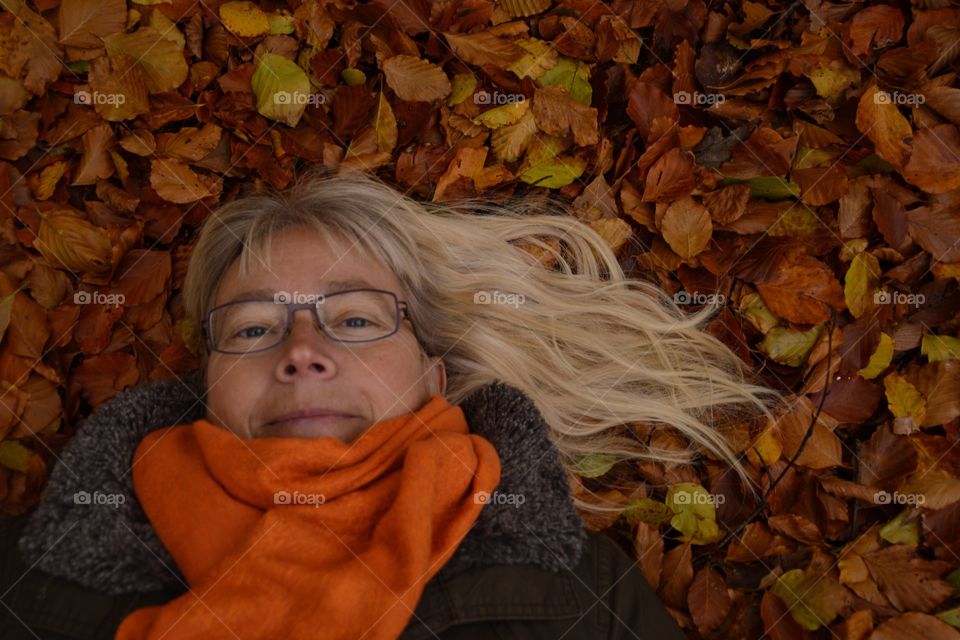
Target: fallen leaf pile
[[797, 164]]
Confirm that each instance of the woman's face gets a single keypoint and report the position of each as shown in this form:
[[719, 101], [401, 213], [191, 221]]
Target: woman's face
[[365, 382]]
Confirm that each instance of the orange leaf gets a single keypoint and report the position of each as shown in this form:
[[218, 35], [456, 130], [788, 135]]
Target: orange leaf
[[934, 165], [882, 122]]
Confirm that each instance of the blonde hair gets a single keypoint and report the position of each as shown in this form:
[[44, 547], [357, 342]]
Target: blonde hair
[[596, 352]]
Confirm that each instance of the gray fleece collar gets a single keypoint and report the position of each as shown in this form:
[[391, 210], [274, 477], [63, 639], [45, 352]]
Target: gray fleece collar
[[107, 543]]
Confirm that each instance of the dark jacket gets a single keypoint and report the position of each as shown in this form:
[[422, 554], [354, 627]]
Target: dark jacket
[[75, 566]]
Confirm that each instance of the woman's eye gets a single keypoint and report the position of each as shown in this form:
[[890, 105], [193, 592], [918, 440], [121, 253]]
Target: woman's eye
[[361, 319], [243, 333]]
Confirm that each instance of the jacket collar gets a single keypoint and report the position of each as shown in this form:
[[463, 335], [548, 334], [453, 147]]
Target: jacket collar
[[89, 526]]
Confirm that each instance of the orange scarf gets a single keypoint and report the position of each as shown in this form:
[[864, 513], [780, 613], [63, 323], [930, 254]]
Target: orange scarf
[[308, 538]]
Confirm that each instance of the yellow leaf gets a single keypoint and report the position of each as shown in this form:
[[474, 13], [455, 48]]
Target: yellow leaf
[[385, 124], [502, 116], [695, 515], [938, 348], [508, 143], [813, 600], [904, 400], [464, 84], [766, 449], [167, 28], [756, 311], [49, 178], [880, 359], [244, 18], [860, 283], [539, 57], [830, 79]]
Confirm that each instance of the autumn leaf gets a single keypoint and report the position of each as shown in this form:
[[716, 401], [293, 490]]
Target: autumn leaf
[[881, 121], [416, 80]]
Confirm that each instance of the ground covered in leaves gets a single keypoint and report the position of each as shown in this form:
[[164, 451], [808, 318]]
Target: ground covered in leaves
[[796, 163]]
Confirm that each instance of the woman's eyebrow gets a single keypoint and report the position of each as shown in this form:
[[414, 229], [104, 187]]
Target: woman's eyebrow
[[330, 287]]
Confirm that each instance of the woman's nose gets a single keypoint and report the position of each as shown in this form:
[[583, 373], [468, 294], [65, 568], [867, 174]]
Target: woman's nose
[[307, 345]]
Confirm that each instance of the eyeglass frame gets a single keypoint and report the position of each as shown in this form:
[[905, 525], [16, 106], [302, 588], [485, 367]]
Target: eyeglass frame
[[402, 309]]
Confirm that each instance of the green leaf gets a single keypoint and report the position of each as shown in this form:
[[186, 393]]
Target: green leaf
[[647, 510], [281, 88], [555, 173], [938, 348], [14, 455], [593, 465], [572, 74], [950, 616], [790, 346], [897, 531], [813, 600]]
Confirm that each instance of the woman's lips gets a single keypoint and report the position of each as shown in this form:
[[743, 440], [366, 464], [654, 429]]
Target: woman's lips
[[311, 427]]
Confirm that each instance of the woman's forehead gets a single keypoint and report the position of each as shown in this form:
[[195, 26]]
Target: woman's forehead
[[306, 262]]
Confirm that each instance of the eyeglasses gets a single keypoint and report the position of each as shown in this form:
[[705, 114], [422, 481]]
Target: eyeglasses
[[356, 315]]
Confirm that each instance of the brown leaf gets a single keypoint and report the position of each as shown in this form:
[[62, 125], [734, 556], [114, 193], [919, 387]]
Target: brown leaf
[[556, 113], [934, 165], [880, 119], [416, 80], [915, 625], [801, 290], [671, 177], [176, 182], [69, 241], [910, 582], [484, 48], [189, 143], [96, 163], [686, 227], [708, 600], [84, 22], [879, 26]]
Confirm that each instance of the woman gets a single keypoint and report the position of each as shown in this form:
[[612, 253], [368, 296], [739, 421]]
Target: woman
[[394, 461]]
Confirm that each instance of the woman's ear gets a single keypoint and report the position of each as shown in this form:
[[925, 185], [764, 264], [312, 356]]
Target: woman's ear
[[438, 378]]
